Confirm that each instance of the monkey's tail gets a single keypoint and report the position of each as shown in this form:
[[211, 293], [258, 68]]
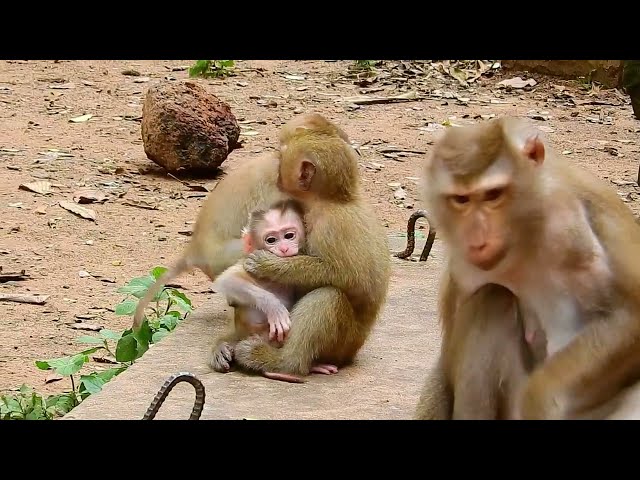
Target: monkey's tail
[[176, 269]]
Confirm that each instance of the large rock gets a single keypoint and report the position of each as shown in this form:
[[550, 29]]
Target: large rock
[[607, 72], [184, 127]]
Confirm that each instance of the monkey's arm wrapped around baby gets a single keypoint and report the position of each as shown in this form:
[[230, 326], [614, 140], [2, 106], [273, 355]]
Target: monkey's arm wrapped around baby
[[302, 271]]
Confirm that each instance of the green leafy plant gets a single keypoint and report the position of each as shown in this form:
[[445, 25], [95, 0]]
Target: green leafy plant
[[28, 405], [364, 64], [171, 307], [212, 68], [166, 315]]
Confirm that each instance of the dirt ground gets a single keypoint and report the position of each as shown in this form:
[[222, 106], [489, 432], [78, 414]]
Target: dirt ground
[[56, 248]]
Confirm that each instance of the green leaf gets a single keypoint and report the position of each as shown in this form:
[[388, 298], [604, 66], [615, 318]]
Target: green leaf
[[110, 334], [181, 300], [37, 413], [42, 365], [94, 382], [159, 335], [143, 337], [137, 286], [90, 339], [126, 348], [90, 384], [67, 365], [13, 405], [126, 307], [25, 389], [58, 405], [158, 271], [169, 322]]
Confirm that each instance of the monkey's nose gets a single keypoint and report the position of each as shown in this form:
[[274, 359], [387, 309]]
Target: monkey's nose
[[284, 249]]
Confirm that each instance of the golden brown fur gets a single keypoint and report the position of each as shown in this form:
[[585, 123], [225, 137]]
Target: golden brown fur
[[215, 244], [563, 225], [346, 272], [483, 361]]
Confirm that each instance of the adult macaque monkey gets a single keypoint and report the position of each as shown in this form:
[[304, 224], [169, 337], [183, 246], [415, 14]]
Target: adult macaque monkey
[[484, 358], [345, 272], [215, 244], [260, 306], [563, 243]]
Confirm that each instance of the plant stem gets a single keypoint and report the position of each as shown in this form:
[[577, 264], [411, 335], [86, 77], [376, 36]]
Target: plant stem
[[73, 388]]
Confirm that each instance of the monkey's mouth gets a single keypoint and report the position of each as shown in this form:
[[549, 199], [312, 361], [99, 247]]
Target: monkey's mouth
[[486, 261]]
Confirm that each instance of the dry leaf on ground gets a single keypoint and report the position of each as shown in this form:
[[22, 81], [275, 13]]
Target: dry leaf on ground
[[24, 298], [89, 195], [53, 377], [518, 82], [81, 118], [78, 210], [41, 186]]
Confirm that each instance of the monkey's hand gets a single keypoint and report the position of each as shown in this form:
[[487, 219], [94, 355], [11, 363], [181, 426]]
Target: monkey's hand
[[264, 264], [279, 324], [302, 271]]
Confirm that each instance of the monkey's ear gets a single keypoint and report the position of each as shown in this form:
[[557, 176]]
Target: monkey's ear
[[247, 244], [306, 173], [534, 149]]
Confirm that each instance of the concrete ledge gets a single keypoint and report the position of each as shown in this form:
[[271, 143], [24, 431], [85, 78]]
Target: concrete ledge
[[384, 382]]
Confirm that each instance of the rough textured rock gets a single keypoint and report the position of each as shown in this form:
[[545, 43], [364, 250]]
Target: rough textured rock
[[607, 72], [186, 128]]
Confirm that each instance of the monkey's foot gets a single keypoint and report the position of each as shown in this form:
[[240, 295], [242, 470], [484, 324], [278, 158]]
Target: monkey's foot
[[221, 357], [324, 368]]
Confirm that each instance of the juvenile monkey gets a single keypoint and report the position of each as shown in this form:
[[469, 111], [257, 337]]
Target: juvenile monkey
[[561, 240], [344, 276], [261, 306], [215, 244]]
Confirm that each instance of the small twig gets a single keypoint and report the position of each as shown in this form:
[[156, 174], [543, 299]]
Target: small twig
[[401, 150], [176, 178], [13, 276]]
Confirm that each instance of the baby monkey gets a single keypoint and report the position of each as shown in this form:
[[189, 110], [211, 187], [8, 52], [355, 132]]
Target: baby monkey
[[261, 306]]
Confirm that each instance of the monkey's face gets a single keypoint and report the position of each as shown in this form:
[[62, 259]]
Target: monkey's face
[[473, 215], [482, 185], [282, 234]]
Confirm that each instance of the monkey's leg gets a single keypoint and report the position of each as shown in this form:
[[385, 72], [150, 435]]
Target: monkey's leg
[[323, 327], [436, 398]]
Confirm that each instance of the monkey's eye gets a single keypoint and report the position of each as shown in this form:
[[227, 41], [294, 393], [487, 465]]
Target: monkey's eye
[[270, 240], [290, 235], [459, 199], [493, 194]]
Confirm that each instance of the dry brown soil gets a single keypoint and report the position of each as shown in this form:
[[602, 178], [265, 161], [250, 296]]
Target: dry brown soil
[[38, 98]]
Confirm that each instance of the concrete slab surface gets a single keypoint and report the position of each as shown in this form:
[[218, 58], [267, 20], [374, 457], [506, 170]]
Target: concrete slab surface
[[383, 383]]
